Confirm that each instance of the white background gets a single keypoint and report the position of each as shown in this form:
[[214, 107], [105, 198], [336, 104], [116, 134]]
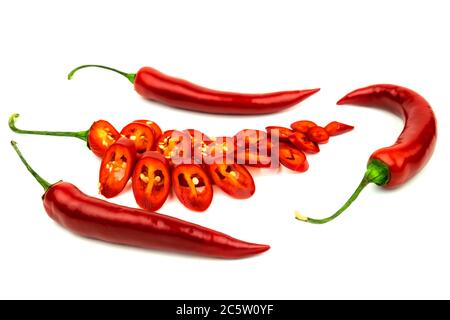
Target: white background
[[390, 244]]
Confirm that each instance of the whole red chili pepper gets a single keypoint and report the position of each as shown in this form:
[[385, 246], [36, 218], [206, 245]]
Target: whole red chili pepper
[[154, 85], [98, 219], [392, 166], [100, 136]]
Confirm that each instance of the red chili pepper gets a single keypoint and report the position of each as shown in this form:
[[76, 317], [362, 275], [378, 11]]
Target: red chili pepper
[[100, 136], [234, 179], [173, 144], [154, 85], [318, 135], [301, 142], [141, 134], [192, 186], [335, 128], [292, 158], [220, 150], [151, 181], [199, 144], [392, 166], [303, 126], [97, 219], [282, 132], [157, 132], [250, 137], [253, 159], [116, 167]]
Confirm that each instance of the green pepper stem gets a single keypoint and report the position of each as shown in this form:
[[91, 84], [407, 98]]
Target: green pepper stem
[[130, 76], [377, 172], [83, 135], [44, 183]]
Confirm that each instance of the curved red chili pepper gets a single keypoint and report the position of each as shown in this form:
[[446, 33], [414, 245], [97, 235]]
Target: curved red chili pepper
[[157, 86], [100, 136], [94, 218], [392, 166]]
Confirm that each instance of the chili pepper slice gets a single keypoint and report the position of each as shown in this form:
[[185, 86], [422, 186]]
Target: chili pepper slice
[[100, 136], [393, 166], [192, 186], [116, 167], [174, 145], [250, 137], [303, 126], [253, 159], [151, 181], [318, 135], [154, 85], [301, 142], [283, 133], [233, 179], [199, 144], [141, 135], [335, 128], [292, 158], [157, 132], [220, 150], [94, 218]]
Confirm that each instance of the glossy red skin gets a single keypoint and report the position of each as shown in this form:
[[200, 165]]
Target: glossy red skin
[[196, 200], [301, 142], [144, 131], [97, 219], [415, 145], [283, 133], [154, 199], [240, 187], [318, 135], [157, 132], [154, 85], [335, 128], [109, 185], [98, 141], [303, 126], [292, 158]]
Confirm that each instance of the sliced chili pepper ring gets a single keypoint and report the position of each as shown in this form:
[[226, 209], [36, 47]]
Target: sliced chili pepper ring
[[253, 159], [151, 181], [101, 136], [233, 179], [220, 150], [116, 167], [283, 133], [157, 132], [301, 142], [303, 125], [318, 135], [192, 186], [141, 134], [174, 145], [335, 128], [292, 158]]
